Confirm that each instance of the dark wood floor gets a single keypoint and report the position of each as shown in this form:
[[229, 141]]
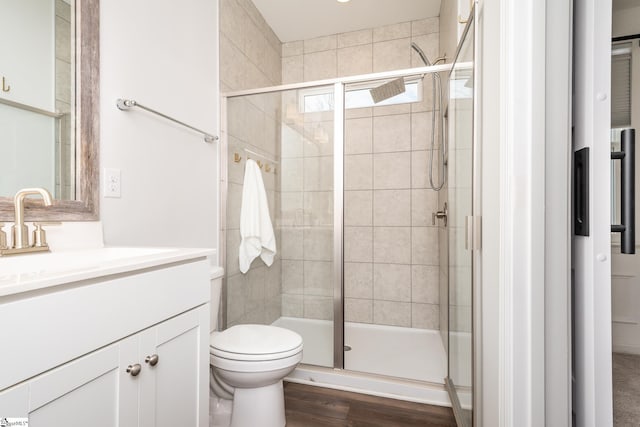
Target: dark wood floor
[[309, 406]]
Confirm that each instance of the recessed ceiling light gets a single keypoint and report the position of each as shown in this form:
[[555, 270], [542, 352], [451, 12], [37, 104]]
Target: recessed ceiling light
[[342, 1]]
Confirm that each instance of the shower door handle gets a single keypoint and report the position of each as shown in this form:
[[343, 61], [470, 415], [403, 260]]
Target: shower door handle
[[627, 157], [473, 233]]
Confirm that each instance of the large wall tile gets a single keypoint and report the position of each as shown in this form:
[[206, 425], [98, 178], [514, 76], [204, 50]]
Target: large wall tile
[[236, 296], [390, 32], [355, 60], [358, 136], [358, 310], [355, 38], [292, 305], [392, 313], [392, 171], [358, 244], [318, 244], [358, 172], [425, 316], [358, 207], [392, 282], [292, 174], [318, 278], [318, 208], [318, 174], [358, 280], [392, 55], [292, 48], [425, 26], [291, 209], [391, 208], [291, 243], [424, 246], [425, 284], [319, 44], [293, 69], [317, 307], [392, 245], [293, 276], [424, 202], [421, 125], [392, 133], [320, 65]]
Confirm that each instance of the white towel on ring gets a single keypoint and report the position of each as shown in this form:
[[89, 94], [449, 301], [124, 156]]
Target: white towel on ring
[[256, 229]]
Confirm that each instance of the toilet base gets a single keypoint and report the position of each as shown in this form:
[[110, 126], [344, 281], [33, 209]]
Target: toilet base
[[262, 406], [219, 411]]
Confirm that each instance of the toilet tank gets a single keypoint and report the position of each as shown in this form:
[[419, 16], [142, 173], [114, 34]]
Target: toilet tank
[[217, 274]]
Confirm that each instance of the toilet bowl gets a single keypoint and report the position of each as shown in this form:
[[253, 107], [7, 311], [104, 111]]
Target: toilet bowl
[[248, 363]]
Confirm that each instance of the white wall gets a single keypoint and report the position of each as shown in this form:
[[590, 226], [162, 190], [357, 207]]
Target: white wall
[[164, 55]]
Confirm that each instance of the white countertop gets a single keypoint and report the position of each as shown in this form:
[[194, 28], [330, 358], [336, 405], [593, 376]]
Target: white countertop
[[31, 272]]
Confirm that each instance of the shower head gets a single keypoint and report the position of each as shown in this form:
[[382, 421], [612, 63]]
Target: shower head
[[421, 53], [387, 90]]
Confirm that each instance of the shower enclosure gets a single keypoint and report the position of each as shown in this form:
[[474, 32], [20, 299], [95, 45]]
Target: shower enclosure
[[377, 284]]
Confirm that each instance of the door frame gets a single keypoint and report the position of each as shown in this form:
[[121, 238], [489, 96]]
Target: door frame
[[525, 257]]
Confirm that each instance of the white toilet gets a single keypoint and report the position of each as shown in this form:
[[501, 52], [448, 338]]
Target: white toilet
[[248, 363]]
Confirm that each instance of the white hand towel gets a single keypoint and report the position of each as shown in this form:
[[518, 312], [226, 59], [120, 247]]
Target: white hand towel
[[255, 223]]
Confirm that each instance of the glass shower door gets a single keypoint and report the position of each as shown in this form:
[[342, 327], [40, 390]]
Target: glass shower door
[[460, 196]]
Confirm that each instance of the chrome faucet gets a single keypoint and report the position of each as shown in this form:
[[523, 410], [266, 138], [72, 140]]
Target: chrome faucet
[[19, 231]]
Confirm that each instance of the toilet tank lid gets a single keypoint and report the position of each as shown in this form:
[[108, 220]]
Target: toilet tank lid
[[256, 339]]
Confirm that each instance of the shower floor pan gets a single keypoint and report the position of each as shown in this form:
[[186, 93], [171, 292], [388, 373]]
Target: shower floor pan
[[388, 361]]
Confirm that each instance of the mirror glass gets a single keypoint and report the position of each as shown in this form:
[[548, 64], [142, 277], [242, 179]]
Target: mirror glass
[[37, 97]]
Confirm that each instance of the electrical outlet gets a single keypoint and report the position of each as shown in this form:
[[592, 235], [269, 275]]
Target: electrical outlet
[[111, 182]]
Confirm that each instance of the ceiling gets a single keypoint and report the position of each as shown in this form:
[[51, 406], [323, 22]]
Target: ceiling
[[305, 19]]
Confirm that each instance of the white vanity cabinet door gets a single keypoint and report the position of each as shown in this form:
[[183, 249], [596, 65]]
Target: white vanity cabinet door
[[14, 402], [94, 390], [175, 392], [80, 393]]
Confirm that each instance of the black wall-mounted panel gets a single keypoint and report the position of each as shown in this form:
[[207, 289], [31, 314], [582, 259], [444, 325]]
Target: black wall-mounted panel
[[581, 192]]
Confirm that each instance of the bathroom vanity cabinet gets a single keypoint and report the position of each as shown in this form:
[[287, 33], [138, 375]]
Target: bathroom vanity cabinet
[[126, 349]]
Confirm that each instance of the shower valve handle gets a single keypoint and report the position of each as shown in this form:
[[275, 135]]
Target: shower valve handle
[[440, 215]]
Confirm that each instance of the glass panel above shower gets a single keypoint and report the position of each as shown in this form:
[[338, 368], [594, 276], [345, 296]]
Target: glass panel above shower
[[358, 95]]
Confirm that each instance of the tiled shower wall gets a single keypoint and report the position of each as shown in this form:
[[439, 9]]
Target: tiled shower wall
[[250, 58], [391, 248]]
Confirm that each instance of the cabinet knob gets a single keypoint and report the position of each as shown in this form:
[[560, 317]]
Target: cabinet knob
[[134, 370], [152, 360]]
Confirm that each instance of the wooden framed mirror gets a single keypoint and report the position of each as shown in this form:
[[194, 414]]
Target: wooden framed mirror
[[83, 204]]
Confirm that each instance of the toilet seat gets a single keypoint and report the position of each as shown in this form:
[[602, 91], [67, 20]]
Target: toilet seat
[[255, 343]]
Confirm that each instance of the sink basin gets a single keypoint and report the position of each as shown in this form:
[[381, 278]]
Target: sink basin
[[23, 273]]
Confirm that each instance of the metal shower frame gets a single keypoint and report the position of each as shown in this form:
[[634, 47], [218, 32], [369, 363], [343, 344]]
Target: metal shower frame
[[339, 85]]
